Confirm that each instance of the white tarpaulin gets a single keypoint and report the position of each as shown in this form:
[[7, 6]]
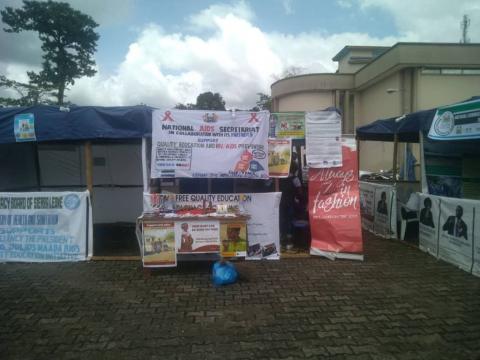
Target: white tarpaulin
[[45, 226], [263, 208], [201, 144], [323, 139]]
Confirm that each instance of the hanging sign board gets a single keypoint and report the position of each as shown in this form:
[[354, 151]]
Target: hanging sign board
[[279, 157]]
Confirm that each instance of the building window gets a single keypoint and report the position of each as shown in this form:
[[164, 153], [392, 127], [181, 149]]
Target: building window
[[450, 71]]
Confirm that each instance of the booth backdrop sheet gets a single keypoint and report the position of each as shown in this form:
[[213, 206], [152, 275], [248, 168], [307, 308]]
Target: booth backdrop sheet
[[202, 144], [334, 206], [449, 230], [45, 226], [378, 204], [263, 231]]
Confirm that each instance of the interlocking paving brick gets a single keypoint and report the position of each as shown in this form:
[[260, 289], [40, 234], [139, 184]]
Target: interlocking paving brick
[[398, 304]]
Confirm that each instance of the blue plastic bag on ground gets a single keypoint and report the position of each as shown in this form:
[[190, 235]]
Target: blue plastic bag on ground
[[224, 273]]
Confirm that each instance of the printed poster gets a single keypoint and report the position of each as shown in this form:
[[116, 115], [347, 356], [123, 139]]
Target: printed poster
[[193, 237], [456, 232], [45, 226], [476, 245], [323, 139], [233, 237], [456, 122], [429, 220], [263, 232], [159, 244], [279, 157], [205, 144], [383, 211], [288, 125], [334, 207], [367, 205], [24, 127]]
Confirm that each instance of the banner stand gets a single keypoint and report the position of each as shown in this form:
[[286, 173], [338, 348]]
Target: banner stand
[[335, 255]]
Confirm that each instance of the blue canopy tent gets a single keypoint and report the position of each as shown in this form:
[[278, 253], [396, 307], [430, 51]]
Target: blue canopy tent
[[99, 148], [53, 123]]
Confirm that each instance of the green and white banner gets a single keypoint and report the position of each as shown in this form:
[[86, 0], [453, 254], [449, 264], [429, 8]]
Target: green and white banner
[[456, 122]]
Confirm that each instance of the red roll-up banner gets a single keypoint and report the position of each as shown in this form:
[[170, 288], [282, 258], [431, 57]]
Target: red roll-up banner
[[334, 208]]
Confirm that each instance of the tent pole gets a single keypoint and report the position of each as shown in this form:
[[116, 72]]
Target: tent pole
[[358, 157], [89, 167], [277, 184], [37, 168], [395, 151], [144, 165]]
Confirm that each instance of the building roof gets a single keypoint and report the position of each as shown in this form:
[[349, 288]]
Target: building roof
[[349, 48]]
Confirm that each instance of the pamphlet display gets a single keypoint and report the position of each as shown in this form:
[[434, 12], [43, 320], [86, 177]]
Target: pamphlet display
[[323, 139]]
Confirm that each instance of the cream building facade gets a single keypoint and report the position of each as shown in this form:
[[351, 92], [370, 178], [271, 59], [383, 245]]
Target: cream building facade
[[380, 82]]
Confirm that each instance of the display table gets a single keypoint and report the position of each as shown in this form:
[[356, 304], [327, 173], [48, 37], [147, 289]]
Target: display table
[[166, 237]]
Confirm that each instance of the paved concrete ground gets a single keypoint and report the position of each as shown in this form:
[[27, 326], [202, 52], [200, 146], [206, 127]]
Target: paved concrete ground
[[398, 304]]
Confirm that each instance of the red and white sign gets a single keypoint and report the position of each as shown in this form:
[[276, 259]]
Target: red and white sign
[[334, 207]]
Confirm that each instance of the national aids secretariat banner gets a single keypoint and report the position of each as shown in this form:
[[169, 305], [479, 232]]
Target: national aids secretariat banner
[[206, 144], [45, 226], [334, 208]]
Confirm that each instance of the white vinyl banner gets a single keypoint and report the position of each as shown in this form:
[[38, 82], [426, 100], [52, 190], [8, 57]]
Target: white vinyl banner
[[378, 204], [206, 144], [456, 232], [429, 221], [262, 227], [45, 226]]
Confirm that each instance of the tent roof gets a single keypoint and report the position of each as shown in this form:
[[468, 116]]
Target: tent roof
[[407, 127], [80, 122]]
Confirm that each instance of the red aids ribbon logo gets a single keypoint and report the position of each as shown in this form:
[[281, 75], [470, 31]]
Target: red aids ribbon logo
[[253, 118], [167, 116]]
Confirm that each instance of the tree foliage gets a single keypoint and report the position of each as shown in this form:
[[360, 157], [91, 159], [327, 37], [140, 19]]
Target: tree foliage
[[68, 41], [210, 101], [29, 94], [264, 102], [205, 101]]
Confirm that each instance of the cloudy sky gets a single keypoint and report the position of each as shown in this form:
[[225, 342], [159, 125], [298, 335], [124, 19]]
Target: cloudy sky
[[165, 52]]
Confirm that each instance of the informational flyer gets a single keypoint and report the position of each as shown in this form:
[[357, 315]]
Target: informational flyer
[[323, 139], [200, 144], [24, 127], [45, 226], [279, 157], [193, 237], [233, 237], [159, 244]]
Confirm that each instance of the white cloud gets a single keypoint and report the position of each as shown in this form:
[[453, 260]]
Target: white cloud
[[223, 51], [430, 20], [288, 6]]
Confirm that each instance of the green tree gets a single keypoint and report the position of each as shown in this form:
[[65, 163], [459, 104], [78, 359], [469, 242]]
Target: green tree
[[68, 41], [210, 101], [181, 106], [264, 102], [27, 94]]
